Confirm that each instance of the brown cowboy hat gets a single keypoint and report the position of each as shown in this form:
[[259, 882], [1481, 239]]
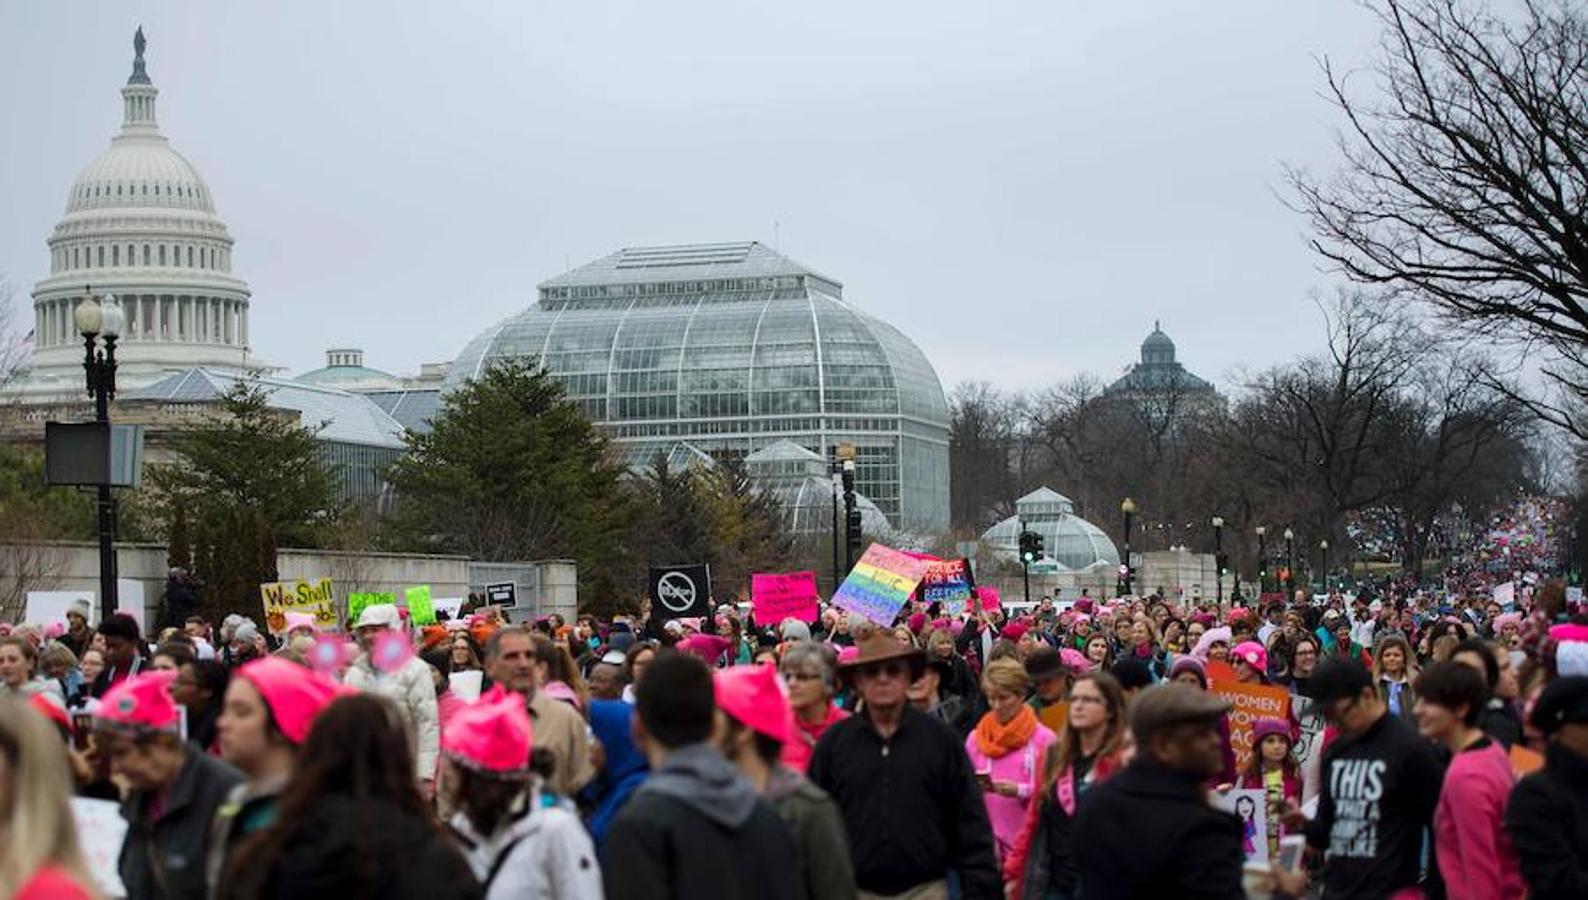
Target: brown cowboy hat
[[880, 647]]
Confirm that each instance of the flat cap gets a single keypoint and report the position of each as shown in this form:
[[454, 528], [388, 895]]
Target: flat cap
[[1164, 705]]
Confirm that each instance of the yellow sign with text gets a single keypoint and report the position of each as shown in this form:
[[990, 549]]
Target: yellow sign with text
[[312, 597]]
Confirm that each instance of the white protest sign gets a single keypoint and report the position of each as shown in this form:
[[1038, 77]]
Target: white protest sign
[[452, 606], [100, 832], [466, 685], [1251, 807], [45, 607], [1504, 594]]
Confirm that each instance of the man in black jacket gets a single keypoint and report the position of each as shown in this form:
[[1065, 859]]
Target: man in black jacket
[[1149, 831], [695, 827], [1547, 816], [911, 805]]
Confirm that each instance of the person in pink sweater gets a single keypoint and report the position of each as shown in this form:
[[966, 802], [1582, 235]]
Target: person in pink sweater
[[1474, 852], [1006, 749]]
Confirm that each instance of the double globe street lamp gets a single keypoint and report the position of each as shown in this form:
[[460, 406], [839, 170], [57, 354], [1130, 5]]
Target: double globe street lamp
[[100, 324]]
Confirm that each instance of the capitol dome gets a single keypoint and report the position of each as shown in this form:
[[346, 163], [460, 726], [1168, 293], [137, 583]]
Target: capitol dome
[[140, 224], [1068, 540], [734, 348]]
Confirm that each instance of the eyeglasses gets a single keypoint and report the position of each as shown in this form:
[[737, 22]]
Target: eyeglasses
[[892, 668], [802, 676]]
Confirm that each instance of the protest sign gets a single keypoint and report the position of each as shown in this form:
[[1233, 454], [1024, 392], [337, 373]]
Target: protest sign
[[1504, 594], [357, 603], [100, 833], [1249, 703], [451, 607], [947, 582], [880, 584], [45, 607], [1251, 807], [680, 592], [282, 597], [1218, 670], [466, 685], [420, 610], [1574, 595], [790, 595]]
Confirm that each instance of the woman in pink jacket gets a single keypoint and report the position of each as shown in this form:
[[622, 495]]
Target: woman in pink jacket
[[1006, 749], [1474, 852]]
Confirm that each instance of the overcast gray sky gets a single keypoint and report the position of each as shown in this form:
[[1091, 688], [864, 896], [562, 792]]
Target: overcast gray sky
[[1021, 187]]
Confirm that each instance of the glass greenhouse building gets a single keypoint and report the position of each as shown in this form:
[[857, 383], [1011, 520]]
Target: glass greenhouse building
[[732, 348]]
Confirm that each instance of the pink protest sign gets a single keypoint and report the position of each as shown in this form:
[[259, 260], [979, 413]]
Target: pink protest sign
[[790, 595]]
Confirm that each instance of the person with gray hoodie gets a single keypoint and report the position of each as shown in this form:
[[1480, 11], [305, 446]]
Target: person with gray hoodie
[[696, 827]]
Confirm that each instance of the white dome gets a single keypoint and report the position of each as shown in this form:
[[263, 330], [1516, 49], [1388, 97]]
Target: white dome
[[140, 224]]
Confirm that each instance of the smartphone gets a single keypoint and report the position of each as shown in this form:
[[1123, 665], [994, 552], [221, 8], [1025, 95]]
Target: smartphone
[[82, 728], [1291, 847]]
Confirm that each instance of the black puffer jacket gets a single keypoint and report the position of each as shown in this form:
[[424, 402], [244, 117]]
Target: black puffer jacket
[[368, 850], [162, 857], [1547, 819]]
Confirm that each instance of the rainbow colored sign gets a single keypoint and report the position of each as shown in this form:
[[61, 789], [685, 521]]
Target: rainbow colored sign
[[880, 584]]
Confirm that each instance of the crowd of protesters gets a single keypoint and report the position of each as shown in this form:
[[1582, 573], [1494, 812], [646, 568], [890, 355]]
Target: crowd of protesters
[[1075, 751]]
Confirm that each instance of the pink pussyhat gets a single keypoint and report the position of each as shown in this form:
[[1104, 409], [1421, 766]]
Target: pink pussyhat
[[294, 694], [1251, 653], [848, 654], [492, 735], [756, 696], [296, 620], [1074, 660], [141, 703]]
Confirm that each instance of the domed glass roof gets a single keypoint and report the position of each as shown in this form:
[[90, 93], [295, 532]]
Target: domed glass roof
[[734, 347], [800, 481], [1068, 539]]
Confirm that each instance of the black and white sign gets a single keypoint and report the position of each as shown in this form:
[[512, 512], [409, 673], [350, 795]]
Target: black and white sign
[[680, 592], [504, 595]]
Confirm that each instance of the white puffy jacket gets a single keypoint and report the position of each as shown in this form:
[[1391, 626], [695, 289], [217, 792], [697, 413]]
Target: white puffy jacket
[[543, 853], [415, 695]]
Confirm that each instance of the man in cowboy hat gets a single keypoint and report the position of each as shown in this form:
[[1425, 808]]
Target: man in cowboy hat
[[909, 797]]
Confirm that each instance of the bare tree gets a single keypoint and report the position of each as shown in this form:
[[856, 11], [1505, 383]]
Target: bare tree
[[14, 342], [1465, 182]]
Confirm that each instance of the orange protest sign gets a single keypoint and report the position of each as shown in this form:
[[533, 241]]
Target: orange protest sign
[[1219, 671], [1249, 702], [1525, 761]]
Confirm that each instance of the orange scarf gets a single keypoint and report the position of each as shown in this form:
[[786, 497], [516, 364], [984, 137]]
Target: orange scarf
[[997, 739]]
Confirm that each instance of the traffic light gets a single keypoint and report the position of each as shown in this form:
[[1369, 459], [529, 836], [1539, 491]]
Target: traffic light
[[1030, 547], [1223, 560], [1036, 544]]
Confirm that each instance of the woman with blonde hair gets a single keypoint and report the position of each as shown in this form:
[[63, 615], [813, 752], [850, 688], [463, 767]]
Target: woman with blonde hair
[[42, 860], [1041, 863], [1005, 749]]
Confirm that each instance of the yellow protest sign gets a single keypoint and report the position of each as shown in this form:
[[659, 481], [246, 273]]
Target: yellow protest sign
[[314, 598]]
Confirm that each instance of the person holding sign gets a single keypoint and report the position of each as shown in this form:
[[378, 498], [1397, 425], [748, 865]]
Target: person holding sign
[[43, 859], [404, 681]]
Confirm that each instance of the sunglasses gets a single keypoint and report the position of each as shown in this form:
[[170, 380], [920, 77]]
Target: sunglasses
[[892, 668]]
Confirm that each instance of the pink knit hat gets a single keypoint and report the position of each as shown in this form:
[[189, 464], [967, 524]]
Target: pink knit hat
[[709, 647], [1262, 728], [294, 694], [141, 703], [755, 695], [848, 654], [1014, 631], [296, 620], [1074, 660], [1251, 653], [492, 735]]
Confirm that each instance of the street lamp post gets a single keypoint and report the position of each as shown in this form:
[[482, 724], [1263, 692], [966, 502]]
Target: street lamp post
[[1324, 547], [100, 324], [1218, 558], [846, 453], [1128, 507], [1262, 560], [838, 574], [1290, 562]]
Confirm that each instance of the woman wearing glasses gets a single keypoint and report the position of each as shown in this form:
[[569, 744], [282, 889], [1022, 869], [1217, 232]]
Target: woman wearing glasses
[[811, 672]]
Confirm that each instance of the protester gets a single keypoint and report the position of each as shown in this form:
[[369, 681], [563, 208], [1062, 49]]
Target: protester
[[519, 842], [1547, 815], [408, 686], [1379, 784], [1498, 720], [559, 729], [1395, 673], [123, 653], [1149, 831], [1274, 771], [59, 664], [78, 635], [958, 680], [811, 672], [42, 859], [606, 677], [1473, 851], [695, 828], [621, 766], [557, 675], [1049, 676], [91, 663], [18, 662], [925, 693], [911, 803], [1041, 864], [757, 724], [268, 710], [351, 822], [173, 791], [1005, 748]]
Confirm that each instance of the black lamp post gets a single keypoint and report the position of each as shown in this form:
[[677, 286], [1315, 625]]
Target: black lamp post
[[1128, 507], [1323, 546], [1262, 560], [100, 324], [838, 575], [846, 455], [1218, 558], [1290, 562]]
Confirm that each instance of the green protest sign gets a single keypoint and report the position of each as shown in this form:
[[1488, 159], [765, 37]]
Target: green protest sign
[[420, 610], [357, 602]]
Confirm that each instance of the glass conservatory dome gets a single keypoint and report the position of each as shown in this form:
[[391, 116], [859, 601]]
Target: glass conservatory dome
[[803, 486], [733, 348], [1068, 539]]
